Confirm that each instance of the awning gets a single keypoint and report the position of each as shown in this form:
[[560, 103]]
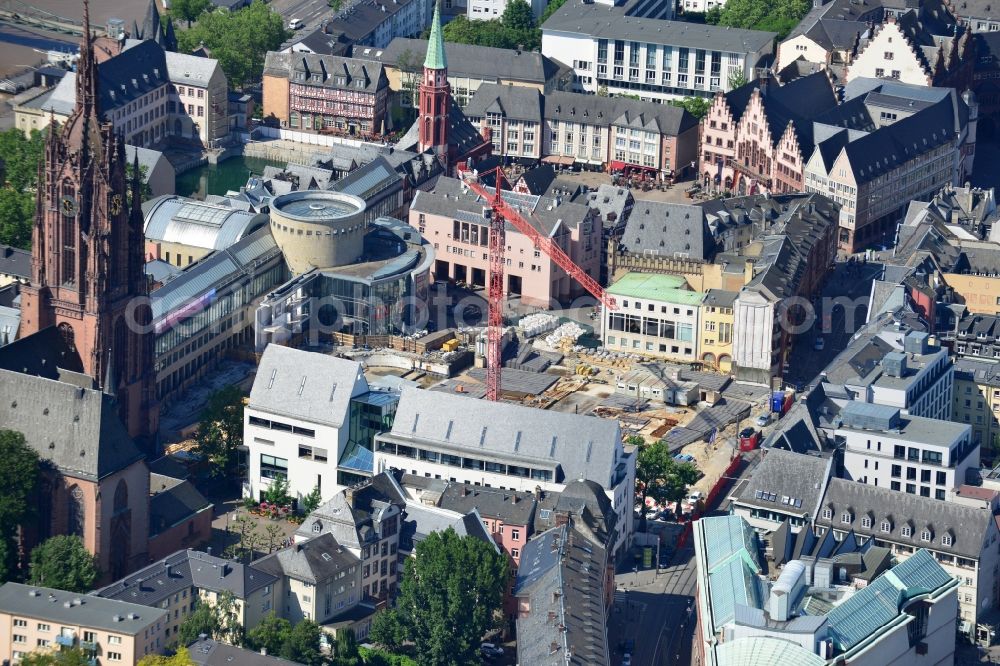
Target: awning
[[564, 160], [617, 165]]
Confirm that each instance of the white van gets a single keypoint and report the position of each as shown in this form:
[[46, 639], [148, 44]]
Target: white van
[[295, 24]]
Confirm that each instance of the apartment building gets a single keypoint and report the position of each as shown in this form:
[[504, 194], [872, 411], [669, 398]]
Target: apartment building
[[310, 419], [325, 93], [893, 365], [179, 582], [450, 215], [469, 66], [977, 400], [785, 488], [109, 632], [963, 540], [923, 46], [758, 137], [716, 336], [486, 10], [912, 454], [910, 143], [367, 520], [748, 609], [149, 95], [322, 583], [372, 24], [791, 260], [656, 316], [626, 50], [500, 445], [828, 36]]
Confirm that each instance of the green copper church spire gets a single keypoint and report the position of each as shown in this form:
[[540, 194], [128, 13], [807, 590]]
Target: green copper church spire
[[435, 45]]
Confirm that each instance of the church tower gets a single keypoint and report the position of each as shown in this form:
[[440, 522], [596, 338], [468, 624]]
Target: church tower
[[435, 94], [87, 267]]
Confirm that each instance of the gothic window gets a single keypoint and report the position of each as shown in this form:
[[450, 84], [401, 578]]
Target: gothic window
[[75, 511], [68, 336], [68, 234], [121, 497], [121, 352]]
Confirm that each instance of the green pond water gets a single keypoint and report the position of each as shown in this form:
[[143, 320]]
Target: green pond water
[[220, 178]]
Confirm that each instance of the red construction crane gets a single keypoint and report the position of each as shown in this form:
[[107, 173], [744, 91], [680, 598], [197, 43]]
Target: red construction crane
[[499, 212]]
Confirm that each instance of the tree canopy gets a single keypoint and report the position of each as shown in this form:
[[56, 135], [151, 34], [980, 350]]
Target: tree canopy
[[219, 620], [660, 476], [220, 431], [492, 33], [239, 40], [64, 657], [696, 106], [19, 480], [551, 9], [180, 658], [63, 562], [300, 643], [517, 15], [772, 15], [21, 156], [188, 10], [450, 596]]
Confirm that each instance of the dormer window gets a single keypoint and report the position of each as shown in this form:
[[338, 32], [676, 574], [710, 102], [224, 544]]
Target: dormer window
[[886, 526], [846, 517], [906, 531], [925, 535], [866, 522], [828, 513], [317, 527], [947, 540]]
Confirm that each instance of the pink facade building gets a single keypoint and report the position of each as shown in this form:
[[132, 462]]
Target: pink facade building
[[758, 137], [450, 216]]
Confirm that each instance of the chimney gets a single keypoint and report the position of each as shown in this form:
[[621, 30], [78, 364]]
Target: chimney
[[465, 491], [263, 651], [538, 492], [513, 498], [349, 496]]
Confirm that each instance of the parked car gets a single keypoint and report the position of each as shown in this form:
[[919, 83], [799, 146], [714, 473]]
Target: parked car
[[683, 457], [296, 24], [491, 650], [763, 420], [819, 344], [652, 514]]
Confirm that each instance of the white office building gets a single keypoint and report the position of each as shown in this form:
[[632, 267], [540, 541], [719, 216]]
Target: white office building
[[633, 49], [500, 445], [311, 419], [920, 456]]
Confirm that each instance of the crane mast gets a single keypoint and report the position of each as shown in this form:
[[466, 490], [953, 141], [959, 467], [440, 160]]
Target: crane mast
[[498, 213]]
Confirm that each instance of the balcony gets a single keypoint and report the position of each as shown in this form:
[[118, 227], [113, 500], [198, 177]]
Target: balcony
[[88, 646], [66, 641]]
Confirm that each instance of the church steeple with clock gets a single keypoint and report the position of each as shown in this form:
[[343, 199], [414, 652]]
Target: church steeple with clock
[[88, 278]]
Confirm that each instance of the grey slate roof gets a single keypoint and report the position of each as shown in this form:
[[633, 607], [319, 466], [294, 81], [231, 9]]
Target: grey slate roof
[[785, 474], [600, 21], [184, 569], [492, 503], [75, 428], [323, 70], [661, 228], [306, 385], [585, 447], [968, 526], [620, 111], [312, 561], [129, 75], [562, 573], [481, 62], [351, 520], [172, 501], [46, 603], [516, 102], [15, 261], [208, 652]]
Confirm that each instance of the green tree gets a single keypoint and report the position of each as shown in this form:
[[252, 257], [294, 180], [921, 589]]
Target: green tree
[[17, 217], [387, 630], [518, 16], [21, 156], [271, 634], [312, 501], [713, 15], [219, 621], [376, 657], [277, 492], [773, 15], [737, 79], [180, 658], [145, 191], [63, 562], [345, 649], [660, 476], [696, 106], [188, 10], [67, 657], [450, 596], [220, 431], [238, 40], [303, 644], [19, 480]]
